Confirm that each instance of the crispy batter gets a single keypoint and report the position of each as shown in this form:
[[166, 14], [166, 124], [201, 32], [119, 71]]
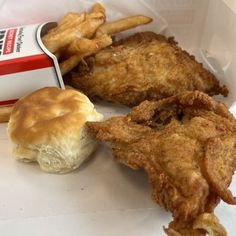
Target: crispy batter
[[186, 144], [219, 164], [145, 66], [211, 224]]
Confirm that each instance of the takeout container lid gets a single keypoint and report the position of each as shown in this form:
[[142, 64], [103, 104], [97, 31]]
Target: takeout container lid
[[25, 63]]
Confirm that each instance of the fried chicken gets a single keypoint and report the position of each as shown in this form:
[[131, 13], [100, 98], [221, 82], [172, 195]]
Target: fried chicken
[[187, 145], [145, 66]]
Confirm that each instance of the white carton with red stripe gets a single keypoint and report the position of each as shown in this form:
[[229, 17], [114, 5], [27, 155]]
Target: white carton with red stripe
[[25, 64]]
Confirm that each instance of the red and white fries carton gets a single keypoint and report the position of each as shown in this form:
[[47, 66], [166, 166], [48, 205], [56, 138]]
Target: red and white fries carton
[[25, 64]]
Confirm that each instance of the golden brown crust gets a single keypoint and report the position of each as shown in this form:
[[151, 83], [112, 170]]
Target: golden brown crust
[[48, 110], [210, 224], [145, 66], [220, 164], [170, 139]]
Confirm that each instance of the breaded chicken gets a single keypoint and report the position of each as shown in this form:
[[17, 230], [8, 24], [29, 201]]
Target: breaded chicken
[[187, 145], [145, 66]]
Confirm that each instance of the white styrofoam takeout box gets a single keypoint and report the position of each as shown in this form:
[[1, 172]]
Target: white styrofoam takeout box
[[104, 198]]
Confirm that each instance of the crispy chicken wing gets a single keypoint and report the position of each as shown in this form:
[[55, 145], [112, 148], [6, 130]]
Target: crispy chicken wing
[[187, 145], [145, 66]]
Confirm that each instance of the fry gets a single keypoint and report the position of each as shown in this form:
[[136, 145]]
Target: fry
[[5, 113], [123, 24], [90, 47], [97, 7], [69, 64]]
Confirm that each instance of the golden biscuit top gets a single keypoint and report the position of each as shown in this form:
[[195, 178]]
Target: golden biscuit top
[[48, 114]]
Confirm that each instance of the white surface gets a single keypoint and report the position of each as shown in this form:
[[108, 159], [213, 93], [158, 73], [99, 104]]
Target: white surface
[[104, 198]]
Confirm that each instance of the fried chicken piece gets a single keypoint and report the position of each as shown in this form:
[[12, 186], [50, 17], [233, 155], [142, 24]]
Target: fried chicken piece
[[187, 145], [145, 66]]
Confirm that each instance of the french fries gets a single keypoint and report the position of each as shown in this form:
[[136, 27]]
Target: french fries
[[61, 38], [79, 35], [66, 26], [5, 113]]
